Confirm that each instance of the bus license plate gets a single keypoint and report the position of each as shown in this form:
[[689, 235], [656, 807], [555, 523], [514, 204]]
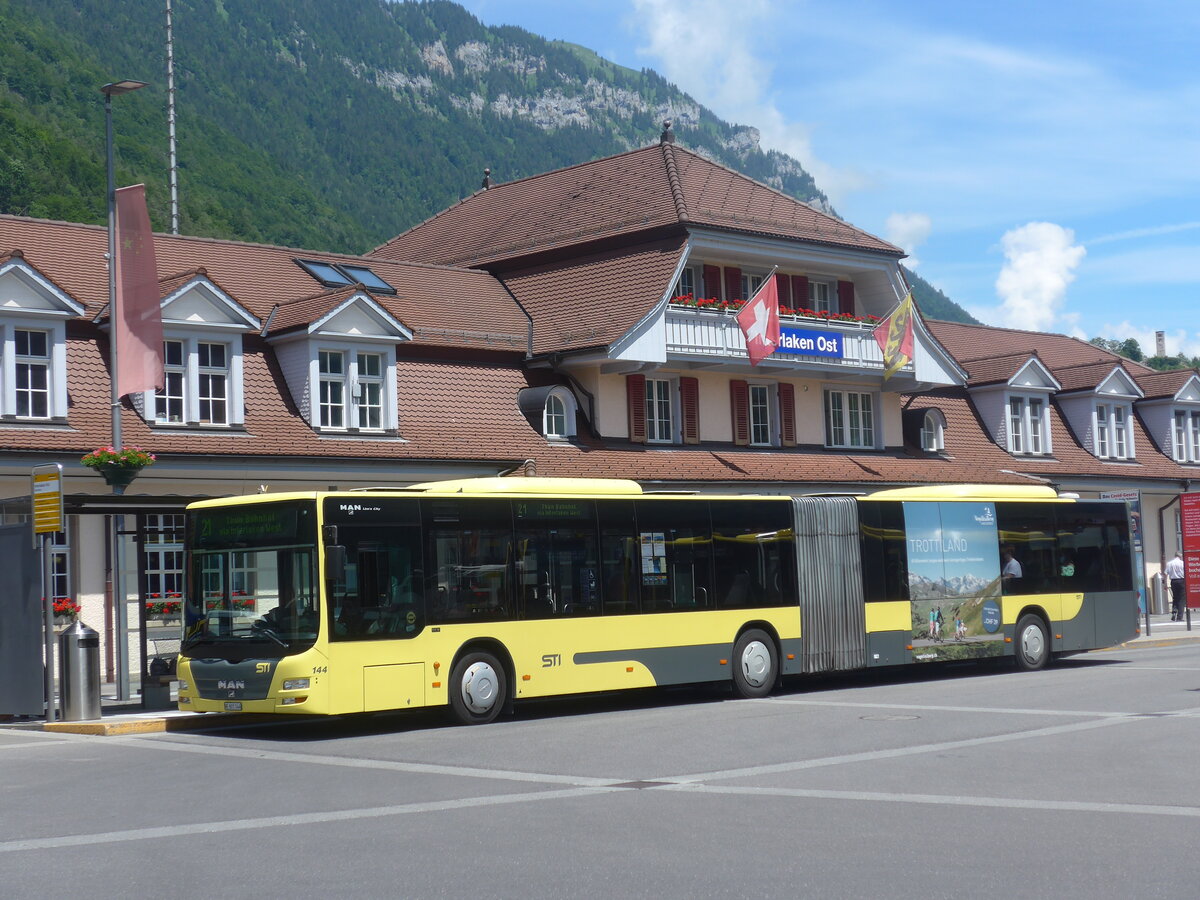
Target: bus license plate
[[233, 706]]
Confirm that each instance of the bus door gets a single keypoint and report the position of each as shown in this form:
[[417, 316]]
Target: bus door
[[558, 560], [832, 606]]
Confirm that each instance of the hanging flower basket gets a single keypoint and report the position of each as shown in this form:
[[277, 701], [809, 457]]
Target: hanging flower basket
[[118, 467]]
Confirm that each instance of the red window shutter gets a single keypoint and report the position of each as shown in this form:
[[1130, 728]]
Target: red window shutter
[[733, 283], [800, 291], [783, 284], [689, 400], [635, 392], [846, 297], [712, 282], [739, 405], [787, 415]]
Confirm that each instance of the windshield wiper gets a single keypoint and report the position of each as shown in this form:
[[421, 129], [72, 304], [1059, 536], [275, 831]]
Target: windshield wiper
[[266, 631]]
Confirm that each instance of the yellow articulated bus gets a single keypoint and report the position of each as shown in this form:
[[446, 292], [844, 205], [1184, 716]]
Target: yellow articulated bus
[[474, 594]]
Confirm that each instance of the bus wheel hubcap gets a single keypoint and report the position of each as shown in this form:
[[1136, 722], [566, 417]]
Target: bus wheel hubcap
[[479, 687], [756, 663], [1031, 644]]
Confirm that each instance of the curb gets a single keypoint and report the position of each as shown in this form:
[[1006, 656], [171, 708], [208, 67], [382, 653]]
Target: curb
[[157, 724]]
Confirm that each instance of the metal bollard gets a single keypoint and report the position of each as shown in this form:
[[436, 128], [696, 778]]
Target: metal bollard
[[79, 673]]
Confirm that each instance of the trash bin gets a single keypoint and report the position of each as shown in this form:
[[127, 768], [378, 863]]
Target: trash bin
[[79, 672]]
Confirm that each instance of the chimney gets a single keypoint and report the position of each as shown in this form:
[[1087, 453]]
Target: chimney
[[1160, 343], [487, 178], [667, 136]]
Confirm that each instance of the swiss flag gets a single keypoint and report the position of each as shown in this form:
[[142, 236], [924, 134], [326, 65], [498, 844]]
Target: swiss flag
[[759, 321]]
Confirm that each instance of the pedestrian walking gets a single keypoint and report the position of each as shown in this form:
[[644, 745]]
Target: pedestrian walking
[[1174, 573]]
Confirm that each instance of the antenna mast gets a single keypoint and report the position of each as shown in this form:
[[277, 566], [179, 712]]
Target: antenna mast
[[172, 174]]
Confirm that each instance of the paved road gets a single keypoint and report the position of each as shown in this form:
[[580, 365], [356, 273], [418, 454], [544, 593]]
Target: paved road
[[1078, 781]]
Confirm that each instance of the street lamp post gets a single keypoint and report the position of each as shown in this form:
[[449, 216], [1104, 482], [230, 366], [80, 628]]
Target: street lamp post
[[118, 587]]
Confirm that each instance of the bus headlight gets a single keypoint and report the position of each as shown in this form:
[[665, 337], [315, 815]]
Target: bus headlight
[[184, 686], [295, 684]]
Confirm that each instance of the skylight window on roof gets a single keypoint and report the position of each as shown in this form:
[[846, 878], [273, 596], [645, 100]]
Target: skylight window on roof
[[368, 279], [326, 273], [342, 274]]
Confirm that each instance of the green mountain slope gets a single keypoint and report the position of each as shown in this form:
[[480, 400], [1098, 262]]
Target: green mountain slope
[[327, 124]]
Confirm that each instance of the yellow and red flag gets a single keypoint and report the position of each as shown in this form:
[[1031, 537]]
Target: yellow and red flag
[[895, 337]]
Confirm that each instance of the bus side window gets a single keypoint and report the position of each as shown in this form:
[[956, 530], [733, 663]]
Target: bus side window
[[619, 577]]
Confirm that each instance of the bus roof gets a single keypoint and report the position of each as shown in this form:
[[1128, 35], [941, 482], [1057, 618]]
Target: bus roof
[[530, 486], [968, 492]]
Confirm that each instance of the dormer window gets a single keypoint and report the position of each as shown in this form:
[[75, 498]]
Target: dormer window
[[1114, 431], [1186, 437], [351, 389], [558, 417], [933, 432], [1028, 425], [32, 373]]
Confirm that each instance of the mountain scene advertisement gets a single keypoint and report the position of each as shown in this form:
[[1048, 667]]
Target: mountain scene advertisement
[[953, 580]]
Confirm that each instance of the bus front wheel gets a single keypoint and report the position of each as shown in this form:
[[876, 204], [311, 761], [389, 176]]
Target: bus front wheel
[[1031, 643], [478, 687], [755, 665]]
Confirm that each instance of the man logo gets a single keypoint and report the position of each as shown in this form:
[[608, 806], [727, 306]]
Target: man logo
[[262, 668]]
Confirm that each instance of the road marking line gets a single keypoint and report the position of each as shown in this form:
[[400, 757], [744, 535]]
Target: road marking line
[[945, 800], [341, 815], [869, 756], [379, 764], [933, 708]]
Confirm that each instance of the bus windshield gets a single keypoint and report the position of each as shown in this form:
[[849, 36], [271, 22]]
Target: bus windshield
[[252, 581]]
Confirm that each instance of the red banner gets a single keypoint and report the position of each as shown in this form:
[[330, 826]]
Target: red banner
[[137, 319], [1189, 517]]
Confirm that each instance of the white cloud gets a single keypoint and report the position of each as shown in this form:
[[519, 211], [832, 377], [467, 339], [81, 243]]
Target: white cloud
[[713, 50], [1039, 263], [908, 231]]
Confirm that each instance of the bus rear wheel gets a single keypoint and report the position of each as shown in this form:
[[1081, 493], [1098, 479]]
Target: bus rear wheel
[[1031, 643], [755, 664], [478, 688]]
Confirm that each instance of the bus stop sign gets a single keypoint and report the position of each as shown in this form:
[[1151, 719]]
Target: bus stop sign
[[47, 500]]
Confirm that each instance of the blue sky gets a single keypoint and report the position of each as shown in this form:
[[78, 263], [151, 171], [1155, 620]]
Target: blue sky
[[1039, 161]]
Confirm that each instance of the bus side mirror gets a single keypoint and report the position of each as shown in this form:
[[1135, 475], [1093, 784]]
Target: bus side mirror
[[335, 564]]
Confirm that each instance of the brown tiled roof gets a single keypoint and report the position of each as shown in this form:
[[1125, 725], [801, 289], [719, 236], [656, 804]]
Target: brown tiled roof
[[306, 310], [971, 342], [656, 187], [1162, 384], [995, 369], [967, 439], [1085, 376], [594, 300], [442, 305]]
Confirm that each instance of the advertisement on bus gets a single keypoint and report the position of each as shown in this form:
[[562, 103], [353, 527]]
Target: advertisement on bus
[[954, 580]]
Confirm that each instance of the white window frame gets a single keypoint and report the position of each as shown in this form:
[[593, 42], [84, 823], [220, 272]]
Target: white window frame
[[55, 361], [661, 393], [189, 373], [760, 416], [1185, 435], [822, 296], [32, 362], [560, 406], [689, 282], [1113, 429], [1028, 424], [369, 389], [751, 282], [843, 407], [933, 432], [356, 385], [213, 375]]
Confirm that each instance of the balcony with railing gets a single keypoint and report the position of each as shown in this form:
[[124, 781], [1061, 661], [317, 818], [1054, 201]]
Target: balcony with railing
[[835, 342]]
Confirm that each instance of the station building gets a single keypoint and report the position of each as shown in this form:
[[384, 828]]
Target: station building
[[576, 323]]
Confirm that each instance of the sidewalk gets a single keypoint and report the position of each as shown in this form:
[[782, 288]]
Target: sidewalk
[[1164, 631]]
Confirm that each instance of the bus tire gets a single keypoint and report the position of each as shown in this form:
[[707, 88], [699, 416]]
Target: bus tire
[[1031, 643], [478, 689], [755, 664]]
